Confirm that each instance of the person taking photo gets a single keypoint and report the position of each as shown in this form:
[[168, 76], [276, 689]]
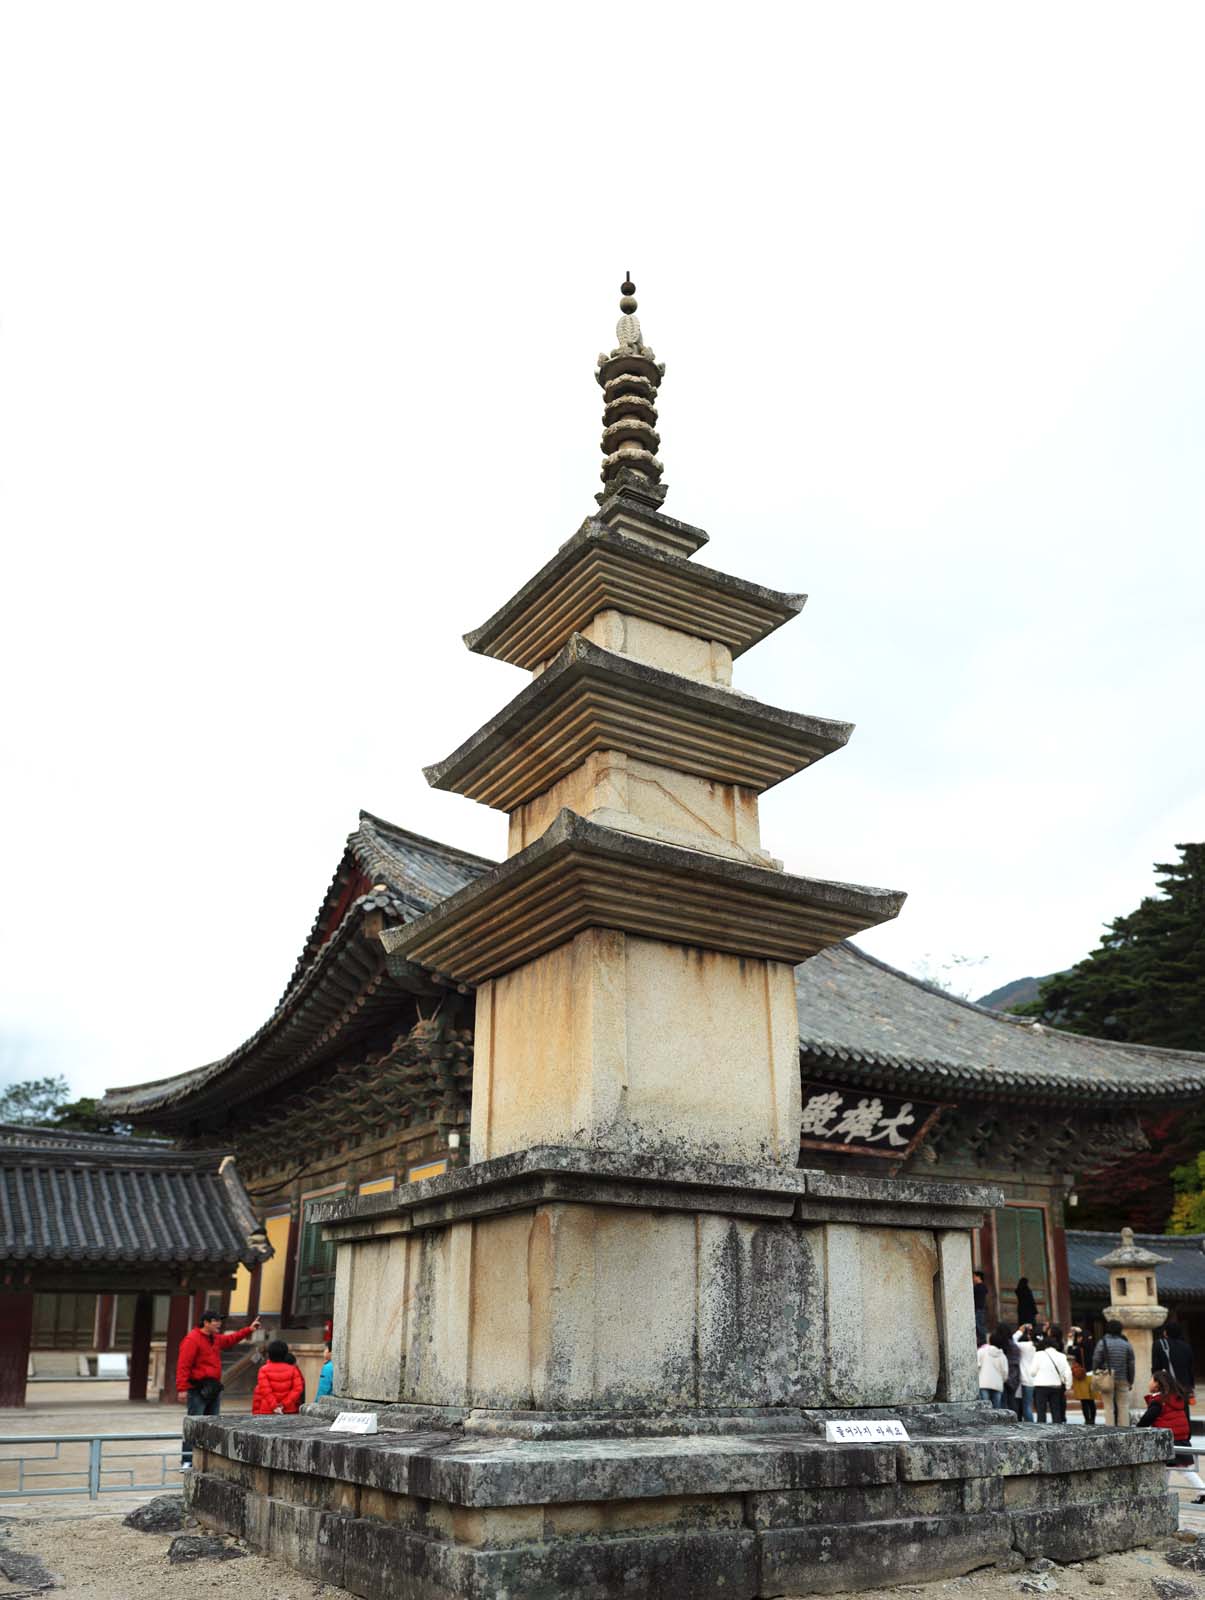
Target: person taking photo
[[199, 1368]]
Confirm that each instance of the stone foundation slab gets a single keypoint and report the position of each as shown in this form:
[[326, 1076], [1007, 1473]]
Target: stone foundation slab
[[439, 1514]]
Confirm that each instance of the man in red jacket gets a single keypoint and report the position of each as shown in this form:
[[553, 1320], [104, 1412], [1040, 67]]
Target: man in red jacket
[[199, 1369]]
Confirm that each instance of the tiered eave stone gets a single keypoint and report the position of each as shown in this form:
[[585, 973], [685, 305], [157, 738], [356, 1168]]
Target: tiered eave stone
[[581, 875], [603, 568], [593, 699], [630, 505]]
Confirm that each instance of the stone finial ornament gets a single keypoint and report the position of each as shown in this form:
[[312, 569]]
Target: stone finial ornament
[[630, 377]]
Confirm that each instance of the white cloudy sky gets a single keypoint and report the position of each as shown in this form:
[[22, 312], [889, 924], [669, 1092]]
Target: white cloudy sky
[[299, 307]]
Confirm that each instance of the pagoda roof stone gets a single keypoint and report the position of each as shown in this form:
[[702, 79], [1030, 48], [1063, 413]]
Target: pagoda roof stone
[[581, 875], [1129, 1254], [603, 568], [592, 699]]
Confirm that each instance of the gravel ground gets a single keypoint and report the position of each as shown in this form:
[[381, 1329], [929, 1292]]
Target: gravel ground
[[96, 1556], [99, 1558]]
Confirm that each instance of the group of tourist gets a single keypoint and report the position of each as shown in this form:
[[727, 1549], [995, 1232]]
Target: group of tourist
[[1032, 1369], [279, 1385]]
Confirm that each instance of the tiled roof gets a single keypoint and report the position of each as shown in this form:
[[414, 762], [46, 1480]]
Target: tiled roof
[[865, 1022], [72, 1197], [406, 875], [860, 1021], [414, 874], [1183, 1278]]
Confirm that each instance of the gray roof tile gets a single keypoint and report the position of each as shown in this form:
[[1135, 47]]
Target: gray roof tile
[[89, 1198], [1183, 1278], [875, 1025]]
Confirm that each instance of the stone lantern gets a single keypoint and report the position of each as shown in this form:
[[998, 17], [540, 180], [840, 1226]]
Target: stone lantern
[[1135, 1297]]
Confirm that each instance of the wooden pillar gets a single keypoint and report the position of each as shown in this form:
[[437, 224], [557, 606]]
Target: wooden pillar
[[1061, 1288], [16, 1334], [290, 1283], [987, 1262], [178, 1309], [253, 1292], [140, 1345], [105, 1306]]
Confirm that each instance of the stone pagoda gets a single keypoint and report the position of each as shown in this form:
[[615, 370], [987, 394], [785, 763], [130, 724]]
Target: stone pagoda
[[602, 1355]]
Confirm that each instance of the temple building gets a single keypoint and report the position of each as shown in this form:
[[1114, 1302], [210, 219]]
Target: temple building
[[361, 1078], [110, 1241]]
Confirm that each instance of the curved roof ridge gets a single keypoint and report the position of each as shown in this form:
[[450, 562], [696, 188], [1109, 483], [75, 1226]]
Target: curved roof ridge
[[417, 873], [31, 1134], [484, 862], [195, 1077], [1115, 1233]]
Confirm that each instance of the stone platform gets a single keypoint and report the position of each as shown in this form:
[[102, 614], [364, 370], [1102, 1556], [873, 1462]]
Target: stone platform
[[442, 1514]]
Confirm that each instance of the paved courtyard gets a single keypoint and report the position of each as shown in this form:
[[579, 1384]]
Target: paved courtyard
[[70, 1408]]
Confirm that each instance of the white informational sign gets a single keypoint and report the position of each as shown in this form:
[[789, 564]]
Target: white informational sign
[[355, 1422], [864, 1432]]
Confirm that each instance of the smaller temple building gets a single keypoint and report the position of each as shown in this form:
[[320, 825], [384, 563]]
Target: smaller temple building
[[139, 1231]]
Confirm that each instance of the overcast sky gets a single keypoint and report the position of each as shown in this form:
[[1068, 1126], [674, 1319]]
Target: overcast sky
[[299, 309]]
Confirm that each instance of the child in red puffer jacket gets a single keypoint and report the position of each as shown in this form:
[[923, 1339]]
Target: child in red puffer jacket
[[1166, 1407], [280, 1386]]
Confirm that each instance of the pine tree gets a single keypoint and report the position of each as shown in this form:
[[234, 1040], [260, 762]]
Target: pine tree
[[1145, 984]]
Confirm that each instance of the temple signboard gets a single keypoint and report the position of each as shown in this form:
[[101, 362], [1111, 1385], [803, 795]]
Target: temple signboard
[[865, 1123]]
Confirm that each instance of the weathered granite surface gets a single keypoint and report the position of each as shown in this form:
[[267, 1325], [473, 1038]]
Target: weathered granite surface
[[500, 1295], [438, 1514], [672, 1180]]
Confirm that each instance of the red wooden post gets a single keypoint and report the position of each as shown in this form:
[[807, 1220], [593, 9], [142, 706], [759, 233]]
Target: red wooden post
[[290, 1280], [253, 1293], [987, 1261], [1062, 1272], [16, 1334], [177, 1326], [140, 1345], [105, 1304]]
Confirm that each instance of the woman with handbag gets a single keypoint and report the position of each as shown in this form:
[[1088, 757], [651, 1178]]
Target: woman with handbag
[[1051, 1377], [1113, 1374], [1079, 1355]]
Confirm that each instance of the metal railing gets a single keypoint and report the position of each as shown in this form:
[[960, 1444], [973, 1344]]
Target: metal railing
[[96, 1471]]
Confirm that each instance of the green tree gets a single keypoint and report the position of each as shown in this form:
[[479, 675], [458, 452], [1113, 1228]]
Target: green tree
[[43, 1103], [1145, 984], [34, 1102]]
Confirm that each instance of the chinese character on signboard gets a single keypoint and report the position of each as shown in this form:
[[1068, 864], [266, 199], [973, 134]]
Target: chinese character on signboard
[[863, 1123]]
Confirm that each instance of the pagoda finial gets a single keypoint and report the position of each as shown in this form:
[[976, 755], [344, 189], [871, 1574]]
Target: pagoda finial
[[630, 377]]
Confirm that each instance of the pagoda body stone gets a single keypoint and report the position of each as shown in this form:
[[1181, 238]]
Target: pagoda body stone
[[602, 1355]]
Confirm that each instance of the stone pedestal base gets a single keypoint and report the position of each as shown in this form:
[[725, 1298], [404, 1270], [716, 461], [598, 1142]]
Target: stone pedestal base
[[439, 1515]]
